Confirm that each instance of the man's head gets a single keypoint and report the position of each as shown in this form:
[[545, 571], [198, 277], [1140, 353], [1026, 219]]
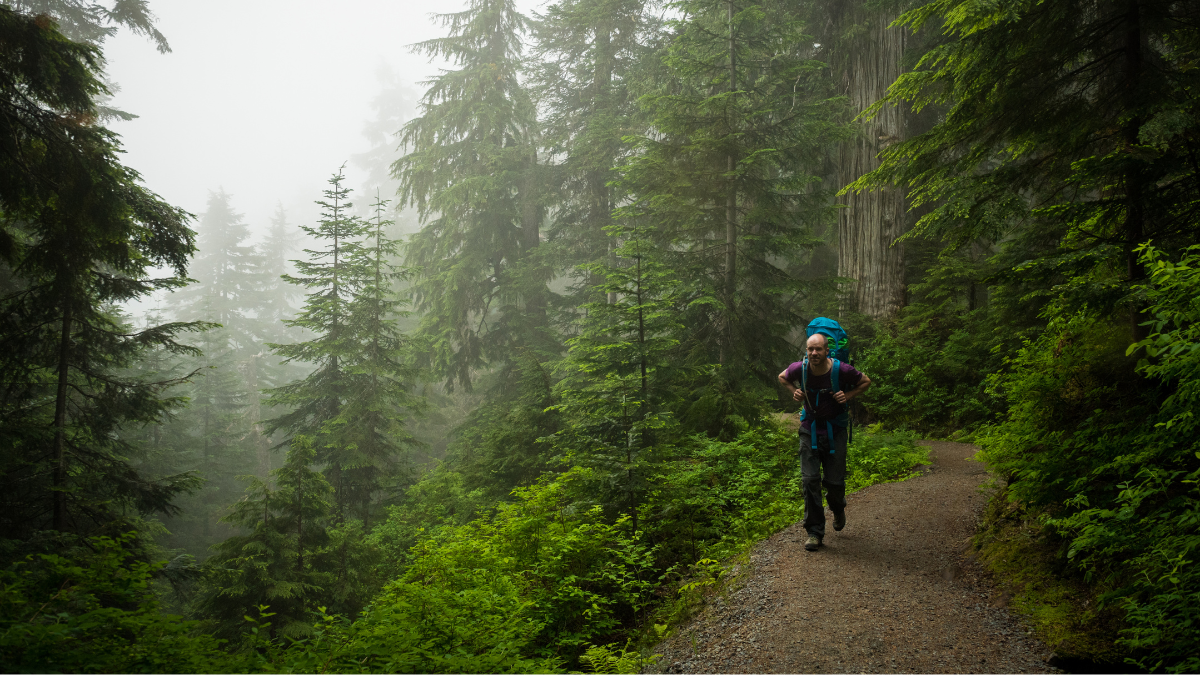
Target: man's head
[[817, 348]]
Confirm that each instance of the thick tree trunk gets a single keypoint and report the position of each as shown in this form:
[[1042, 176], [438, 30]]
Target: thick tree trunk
[[872, 221]]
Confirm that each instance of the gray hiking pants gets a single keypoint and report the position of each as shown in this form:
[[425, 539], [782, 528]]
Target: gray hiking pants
[[833, 465]]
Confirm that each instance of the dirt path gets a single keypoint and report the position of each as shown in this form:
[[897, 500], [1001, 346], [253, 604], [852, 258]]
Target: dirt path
[[892, 592]]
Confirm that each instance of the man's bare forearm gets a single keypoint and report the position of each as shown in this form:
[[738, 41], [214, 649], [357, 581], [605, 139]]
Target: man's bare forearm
[[862, 386]]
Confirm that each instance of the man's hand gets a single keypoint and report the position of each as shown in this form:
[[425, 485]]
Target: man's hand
[[844, 397], [797, 395]]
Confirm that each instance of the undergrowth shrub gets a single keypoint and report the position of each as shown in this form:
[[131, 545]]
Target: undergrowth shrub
[[92, 609], [547, 581], [1105, 447], [929, 370]]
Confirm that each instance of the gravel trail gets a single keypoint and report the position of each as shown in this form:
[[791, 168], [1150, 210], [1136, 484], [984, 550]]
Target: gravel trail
[[895, 591]]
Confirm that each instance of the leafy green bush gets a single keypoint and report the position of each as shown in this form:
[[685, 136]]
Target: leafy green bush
[[929, 372], [1106, 449], [548, 581], [93, 611], [880, 457], [526, 588]]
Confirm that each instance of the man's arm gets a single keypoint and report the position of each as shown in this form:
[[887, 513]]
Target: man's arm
[[797, 395], [846, 396]]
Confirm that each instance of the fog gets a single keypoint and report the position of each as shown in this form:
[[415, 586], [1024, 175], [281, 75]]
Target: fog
[[264, 99]]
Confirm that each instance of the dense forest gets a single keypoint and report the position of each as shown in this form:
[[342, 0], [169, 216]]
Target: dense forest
[[514, 408]]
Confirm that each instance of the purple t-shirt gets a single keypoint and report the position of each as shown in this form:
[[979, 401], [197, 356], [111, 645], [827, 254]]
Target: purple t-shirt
[[827, 408]]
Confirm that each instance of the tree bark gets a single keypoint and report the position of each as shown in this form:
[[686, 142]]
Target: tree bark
[[60, 423], [730, 285], [262, 447], [1135, 208], [871, 222]]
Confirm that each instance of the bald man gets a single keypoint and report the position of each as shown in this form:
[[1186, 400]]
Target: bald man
[[823, 407]]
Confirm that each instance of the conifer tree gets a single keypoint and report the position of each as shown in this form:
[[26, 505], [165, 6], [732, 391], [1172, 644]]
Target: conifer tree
[[380, 379], [316, 402], [224, 268], [471, 172], [277, 563], [79, 235], [590, 54], [617, 372], [1067, 134], [354, 403], [273, 302], [730, 173]]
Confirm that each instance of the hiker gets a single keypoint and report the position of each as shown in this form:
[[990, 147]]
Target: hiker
[[825, 414]]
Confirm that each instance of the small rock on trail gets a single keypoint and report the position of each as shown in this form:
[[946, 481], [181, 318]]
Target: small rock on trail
[[895, 591]]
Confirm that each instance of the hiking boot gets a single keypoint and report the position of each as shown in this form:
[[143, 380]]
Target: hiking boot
[[813, 542], [839, 520]]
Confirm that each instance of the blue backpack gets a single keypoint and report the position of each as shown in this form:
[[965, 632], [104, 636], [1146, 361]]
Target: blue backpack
[[839, 350], [839, 342]]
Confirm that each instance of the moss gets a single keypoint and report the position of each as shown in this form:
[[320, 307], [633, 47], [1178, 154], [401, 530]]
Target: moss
[[1028, 562]]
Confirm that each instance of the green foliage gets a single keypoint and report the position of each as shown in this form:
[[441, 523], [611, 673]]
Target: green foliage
[[727, 174], [1153, 486], [282, 560], [929, 371], [591, 56], [617, 374], [354, 402], [1064, 130], [614, 659], [94, 610], [561, 580], [472, 173], [79, 234], [1108, 457]]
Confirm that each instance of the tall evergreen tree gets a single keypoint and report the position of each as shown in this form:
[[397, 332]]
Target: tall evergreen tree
[[224, 269], [354, 403], [275, 299], [617, 374], [730, 175], [380, 397], [472, 173], [1067, 134], [273, 303], [277, 562], [590, 54], [79, 234], [316, 402], [866, 52]]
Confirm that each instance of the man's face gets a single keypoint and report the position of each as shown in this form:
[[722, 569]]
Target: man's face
[[817, 349]]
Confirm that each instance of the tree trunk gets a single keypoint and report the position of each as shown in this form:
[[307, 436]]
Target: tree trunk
[[1135, 208], [872, 221], [60, 422], [730, 285], [262, 446], [531, 238]]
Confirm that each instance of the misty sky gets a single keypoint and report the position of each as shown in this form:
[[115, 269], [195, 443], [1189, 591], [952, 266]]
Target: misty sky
[[265, 98]]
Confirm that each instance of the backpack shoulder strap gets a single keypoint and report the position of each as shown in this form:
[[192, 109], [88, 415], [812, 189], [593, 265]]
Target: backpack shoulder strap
[[804, 388], [835, 367]]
